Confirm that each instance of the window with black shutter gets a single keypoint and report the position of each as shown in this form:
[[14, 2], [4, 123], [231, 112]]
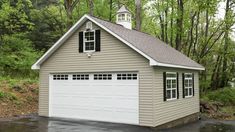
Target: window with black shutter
[[188, 85], [89, 41], [170, 85]]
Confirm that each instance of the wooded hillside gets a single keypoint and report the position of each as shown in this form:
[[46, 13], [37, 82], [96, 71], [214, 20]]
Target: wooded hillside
[[30, 27]]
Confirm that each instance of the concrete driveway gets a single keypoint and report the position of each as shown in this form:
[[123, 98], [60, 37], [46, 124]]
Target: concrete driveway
[[39, 124]]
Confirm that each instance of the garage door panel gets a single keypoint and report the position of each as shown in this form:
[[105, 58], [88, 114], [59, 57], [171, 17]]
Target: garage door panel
[[106, 97]]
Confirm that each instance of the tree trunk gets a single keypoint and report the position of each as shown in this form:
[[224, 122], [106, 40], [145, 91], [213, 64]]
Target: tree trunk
[[196, 33], [162, 28], [69, 6], [110, 10], [215, 74], [138, 14], [166, 24], [191, 34], [91, 6], [171, 24], [224, 79], [179, 23]]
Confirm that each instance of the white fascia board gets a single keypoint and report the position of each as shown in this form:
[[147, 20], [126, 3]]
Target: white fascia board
[[58, 43], [176, 66]]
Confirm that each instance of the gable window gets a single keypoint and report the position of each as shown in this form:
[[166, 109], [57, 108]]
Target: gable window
[[170, 85], [89, 41], [187, 85]]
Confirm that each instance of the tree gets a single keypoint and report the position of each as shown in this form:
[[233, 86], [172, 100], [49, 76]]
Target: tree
[[138, 14], [229, 21], [69, 6], [17, 55], [50, 25], [91, 7]]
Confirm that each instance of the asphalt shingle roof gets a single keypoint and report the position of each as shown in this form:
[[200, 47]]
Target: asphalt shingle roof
[[152, 46]]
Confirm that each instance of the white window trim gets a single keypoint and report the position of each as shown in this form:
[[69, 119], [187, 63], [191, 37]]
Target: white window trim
[[188, 78], [171, 78], [84, 42]]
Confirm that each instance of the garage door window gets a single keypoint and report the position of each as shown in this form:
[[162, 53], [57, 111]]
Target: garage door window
[[102, 76], [81, 77], [60, 77], [126, 76]]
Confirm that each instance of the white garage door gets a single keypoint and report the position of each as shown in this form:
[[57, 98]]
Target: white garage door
[[112, 97]]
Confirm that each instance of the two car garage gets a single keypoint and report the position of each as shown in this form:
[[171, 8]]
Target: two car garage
[[111, 97]]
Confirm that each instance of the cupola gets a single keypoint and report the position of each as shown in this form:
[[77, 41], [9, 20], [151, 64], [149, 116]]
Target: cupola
[[124, 17]]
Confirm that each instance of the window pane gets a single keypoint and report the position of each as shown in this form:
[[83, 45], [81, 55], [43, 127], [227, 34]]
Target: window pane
[[173, 83], [190, 91], [168, 83], [89, 46], [188, 75], [190, 83], [174, 93], [186, 92], [171, 75], [168, 94]]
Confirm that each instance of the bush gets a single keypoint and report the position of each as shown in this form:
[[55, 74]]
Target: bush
[[17, 55], [225, 96]]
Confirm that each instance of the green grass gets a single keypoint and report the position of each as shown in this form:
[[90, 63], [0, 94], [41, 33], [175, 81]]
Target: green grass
[[17, 81], [225, 96]]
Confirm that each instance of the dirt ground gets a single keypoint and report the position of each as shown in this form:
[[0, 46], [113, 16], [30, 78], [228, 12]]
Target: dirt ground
[[16, 100]]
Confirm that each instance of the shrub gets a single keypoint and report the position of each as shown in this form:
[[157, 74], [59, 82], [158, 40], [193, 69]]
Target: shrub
[[225, 96]]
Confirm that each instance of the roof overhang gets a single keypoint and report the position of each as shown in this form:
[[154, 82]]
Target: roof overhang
[[152, 62]]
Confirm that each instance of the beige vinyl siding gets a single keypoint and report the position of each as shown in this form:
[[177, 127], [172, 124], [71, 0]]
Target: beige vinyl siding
[[114, 56], [166, 111]]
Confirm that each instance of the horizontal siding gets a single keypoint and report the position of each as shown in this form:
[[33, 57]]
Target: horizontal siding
[[114, 56], [166, 111]]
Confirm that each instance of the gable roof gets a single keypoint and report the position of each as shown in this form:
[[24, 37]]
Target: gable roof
[[157, 52]]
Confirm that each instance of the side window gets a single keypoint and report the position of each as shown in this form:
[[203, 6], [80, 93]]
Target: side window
[[170, 86], [188, 84]]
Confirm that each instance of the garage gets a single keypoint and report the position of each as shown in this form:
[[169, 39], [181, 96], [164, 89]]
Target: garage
[[111, 97]]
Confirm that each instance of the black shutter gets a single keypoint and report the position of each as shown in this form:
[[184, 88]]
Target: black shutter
[[97, 40], [164, 86], [80, 48], [193, 82], [177, 85], [183, 85]]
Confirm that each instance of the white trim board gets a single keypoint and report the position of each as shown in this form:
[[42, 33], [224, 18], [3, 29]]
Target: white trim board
[[152, 62]]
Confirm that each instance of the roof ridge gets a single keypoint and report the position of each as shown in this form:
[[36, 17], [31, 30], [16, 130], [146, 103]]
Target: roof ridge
[[121, 25]]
